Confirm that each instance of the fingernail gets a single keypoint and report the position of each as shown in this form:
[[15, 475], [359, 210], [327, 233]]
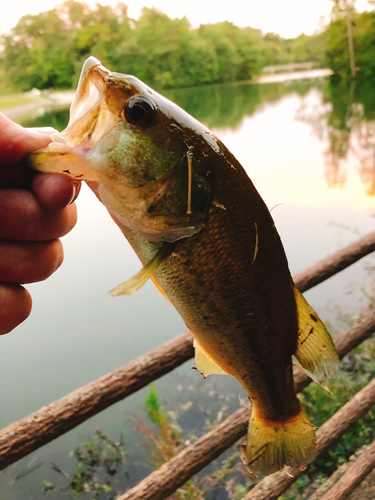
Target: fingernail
[[43, 130], [76, 190]]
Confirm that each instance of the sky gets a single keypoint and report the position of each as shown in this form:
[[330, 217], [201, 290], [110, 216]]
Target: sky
[[288, 18]]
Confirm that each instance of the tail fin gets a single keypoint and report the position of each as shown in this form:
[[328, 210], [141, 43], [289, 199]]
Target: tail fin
[[272, 444]]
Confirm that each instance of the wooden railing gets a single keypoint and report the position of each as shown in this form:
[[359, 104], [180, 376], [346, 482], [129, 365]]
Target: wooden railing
[[30, 433]]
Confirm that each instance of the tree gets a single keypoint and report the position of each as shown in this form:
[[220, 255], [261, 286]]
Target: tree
[[337, 46]]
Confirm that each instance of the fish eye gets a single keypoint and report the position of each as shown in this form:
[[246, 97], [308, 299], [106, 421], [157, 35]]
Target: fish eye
[[140, 111]]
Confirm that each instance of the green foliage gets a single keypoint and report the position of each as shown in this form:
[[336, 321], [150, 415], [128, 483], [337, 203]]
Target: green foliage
[[97, 472], [235, 51], [98, 462], [356, 370], [47, 50], [168, 437], [168, 443], [153, 406], [47, 486], [99, 457], [277, 50], [336, 42]]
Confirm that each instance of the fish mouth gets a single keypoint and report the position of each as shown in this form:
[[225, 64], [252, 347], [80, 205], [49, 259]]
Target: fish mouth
[[67, 153], [85, 107]]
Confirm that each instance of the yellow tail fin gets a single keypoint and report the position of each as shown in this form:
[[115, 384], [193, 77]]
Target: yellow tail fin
[[272, 444]]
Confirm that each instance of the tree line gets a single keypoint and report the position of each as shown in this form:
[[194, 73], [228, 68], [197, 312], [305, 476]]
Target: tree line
[[47, 50]]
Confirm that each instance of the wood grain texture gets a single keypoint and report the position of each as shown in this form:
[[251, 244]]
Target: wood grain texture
[[353, 476], [334, 263]]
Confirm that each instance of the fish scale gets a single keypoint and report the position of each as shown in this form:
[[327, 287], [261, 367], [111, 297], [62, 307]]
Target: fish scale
[[237, 296]]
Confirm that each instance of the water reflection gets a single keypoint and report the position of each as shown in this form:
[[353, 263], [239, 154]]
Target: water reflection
[[226, 105], [217, 106], [343, 116]]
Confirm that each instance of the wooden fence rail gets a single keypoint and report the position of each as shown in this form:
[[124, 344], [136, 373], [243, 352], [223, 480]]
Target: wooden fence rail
[[334, 263], [30, 433], [353, 477]]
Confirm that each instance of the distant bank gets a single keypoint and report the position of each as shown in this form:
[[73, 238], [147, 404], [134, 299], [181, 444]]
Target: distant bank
[[64, 98]]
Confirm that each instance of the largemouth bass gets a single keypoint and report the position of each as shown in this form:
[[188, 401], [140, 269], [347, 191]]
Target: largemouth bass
[[205, 236]]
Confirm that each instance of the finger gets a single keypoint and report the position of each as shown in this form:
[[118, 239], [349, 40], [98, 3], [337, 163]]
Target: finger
[[16, 141], [55, 191], [24, 262], [43, 130], [15, 306], [23, 219], [15, 176]]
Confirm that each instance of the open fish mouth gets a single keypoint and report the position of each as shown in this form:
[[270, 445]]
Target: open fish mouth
[[67, 153], [86, 104]]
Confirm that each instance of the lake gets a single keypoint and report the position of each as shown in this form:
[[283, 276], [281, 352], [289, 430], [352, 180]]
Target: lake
[[309, 148]]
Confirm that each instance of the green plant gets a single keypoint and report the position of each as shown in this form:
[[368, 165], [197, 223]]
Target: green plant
[[98, 461]]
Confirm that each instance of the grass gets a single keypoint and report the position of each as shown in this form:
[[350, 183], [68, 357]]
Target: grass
[[9, 97], [10, 101]]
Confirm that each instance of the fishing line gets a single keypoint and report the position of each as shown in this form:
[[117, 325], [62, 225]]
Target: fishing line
[[189, 155]]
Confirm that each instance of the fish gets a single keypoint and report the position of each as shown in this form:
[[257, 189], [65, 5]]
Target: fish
[[206, 238]]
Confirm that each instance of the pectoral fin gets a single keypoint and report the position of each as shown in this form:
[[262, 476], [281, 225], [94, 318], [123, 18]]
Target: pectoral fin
[[315, 348], [134, 284], [205, 364]]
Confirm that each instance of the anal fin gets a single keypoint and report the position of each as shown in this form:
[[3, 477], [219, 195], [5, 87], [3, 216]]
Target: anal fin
[[315, 348], [204, 363]]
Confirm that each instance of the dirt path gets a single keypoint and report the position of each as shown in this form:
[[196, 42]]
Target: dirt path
[[55, 99]]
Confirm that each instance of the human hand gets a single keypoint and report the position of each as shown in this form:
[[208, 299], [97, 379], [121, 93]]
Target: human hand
[[35, 210]]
